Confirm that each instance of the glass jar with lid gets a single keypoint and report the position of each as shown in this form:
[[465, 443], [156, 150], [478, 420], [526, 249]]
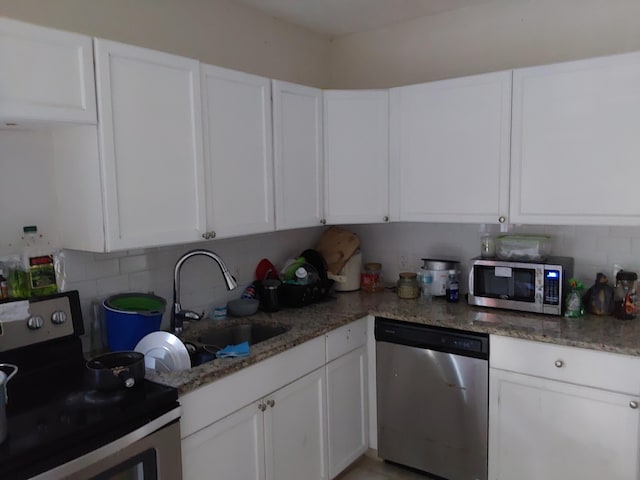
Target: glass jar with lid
[[371, 278], [408, 285], [624, 295]]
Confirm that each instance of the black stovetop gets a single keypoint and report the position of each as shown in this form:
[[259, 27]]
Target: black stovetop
[[53, 416]]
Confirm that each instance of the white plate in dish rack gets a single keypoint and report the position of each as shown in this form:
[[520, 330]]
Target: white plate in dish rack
[[164, 352]]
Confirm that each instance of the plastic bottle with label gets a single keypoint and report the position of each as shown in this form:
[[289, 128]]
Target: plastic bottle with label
[[453, 288], [425, 281], [4, 286], [38, 263]]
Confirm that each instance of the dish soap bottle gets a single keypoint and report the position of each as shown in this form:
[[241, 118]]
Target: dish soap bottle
[[42, 273]]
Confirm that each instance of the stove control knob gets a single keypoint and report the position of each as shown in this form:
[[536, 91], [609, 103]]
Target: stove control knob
[[35, 322], [58, 317]]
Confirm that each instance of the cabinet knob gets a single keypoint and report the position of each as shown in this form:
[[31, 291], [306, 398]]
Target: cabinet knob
[[262, 407], [633, 404], [559, 363], [502, 219], [385, 218], [271, 402], [212, 235], [205, 235], [323, 221]]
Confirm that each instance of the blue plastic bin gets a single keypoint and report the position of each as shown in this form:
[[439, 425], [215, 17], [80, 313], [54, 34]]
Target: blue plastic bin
[[131, 316]]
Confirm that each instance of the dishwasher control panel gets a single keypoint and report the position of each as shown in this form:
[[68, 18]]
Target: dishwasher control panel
[[447, 340]]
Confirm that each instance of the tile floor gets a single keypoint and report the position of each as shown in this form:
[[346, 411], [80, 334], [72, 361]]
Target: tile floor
[[369, 467]]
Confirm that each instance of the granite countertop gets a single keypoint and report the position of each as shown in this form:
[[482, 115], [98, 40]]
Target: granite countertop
[[598, 333]]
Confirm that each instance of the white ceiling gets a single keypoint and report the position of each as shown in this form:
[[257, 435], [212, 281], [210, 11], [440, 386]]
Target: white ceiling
[[342, 17]]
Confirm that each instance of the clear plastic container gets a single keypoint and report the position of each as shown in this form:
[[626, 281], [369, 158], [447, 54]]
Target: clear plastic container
[[522, 247]]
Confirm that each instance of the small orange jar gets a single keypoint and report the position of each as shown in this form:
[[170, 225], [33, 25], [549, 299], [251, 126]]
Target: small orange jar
[[371, 278]]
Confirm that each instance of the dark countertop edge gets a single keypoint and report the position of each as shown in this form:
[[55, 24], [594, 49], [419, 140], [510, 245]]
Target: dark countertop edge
[[315, 320]]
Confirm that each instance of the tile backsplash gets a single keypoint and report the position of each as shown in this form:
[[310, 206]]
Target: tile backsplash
[[398, 246]]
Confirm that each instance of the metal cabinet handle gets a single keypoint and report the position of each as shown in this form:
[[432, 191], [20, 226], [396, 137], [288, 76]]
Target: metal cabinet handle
[[559, 363], [262, 407], [502, 219], [633, 404], [385, 219], [271, 403]]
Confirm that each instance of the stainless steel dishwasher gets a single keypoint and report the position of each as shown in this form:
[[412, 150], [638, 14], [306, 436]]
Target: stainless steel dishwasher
[[433, 398]]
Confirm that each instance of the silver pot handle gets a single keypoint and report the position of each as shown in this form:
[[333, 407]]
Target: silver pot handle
[[10, 365], [9, 377]]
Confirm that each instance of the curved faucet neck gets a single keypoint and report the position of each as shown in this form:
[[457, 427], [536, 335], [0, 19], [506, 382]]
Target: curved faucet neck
[[176, 322]]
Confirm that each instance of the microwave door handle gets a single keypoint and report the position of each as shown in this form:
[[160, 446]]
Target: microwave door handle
[[471, 291]]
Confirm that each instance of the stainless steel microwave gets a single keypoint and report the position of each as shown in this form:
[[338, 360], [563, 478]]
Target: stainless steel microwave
[[537, 287]]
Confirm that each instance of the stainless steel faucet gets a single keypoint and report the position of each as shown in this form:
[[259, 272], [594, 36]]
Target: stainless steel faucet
[[177, 314]]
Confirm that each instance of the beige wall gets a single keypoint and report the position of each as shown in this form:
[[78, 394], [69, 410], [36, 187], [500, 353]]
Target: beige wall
[[501, 35], [220, 32]]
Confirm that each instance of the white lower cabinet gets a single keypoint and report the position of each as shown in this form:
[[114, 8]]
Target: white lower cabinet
[[303, 414], [558, 417], [279, 437], [230, 449], [294, 430], [347, 415]]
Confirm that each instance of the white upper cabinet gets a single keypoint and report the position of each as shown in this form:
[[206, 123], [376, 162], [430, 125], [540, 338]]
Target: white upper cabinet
[[356, 153], [238, 152], [297, 146], [575, 145], [450, 150], [46, 75], [150, 146]]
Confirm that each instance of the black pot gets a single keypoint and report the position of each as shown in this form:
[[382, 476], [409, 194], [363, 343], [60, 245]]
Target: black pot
[[116, 370]]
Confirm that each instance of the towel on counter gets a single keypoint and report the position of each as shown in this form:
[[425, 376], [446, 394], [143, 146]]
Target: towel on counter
[[239, 350]]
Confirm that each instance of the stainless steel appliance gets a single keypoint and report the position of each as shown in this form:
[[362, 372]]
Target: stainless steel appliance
[[537, 287], [433, 398], [58, 426]]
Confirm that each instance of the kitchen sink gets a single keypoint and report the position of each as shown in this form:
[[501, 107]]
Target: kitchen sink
[[217, 338]]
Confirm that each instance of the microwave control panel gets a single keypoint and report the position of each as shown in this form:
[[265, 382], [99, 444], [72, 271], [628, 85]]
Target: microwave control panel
[[552, 287]]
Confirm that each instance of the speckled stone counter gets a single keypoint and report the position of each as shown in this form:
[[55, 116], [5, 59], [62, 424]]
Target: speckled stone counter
[[593, 332]]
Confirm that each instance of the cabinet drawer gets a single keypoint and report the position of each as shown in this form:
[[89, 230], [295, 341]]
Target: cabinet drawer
[[346, 338], [581, 366]]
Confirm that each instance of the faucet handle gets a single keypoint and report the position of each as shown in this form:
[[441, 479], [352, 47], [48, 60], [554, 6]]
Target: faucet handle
[[189, 315]]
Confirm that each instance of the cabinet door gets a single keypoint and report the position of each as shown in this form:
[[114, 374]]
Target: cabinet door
[[46, 74], [575, 143], [450, 150], [356, 148], [230, 449], [238, 152], [547, 429], [295, 439], [297, 146], [150, 142], [347, 413]]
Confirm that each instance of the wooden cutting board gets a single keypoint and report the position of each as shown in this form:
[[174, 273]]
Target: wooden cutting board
[[337, 245]]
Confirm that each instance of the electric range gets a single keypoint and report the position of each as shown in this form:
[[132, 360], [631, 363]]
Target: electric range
[[56, 421]]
